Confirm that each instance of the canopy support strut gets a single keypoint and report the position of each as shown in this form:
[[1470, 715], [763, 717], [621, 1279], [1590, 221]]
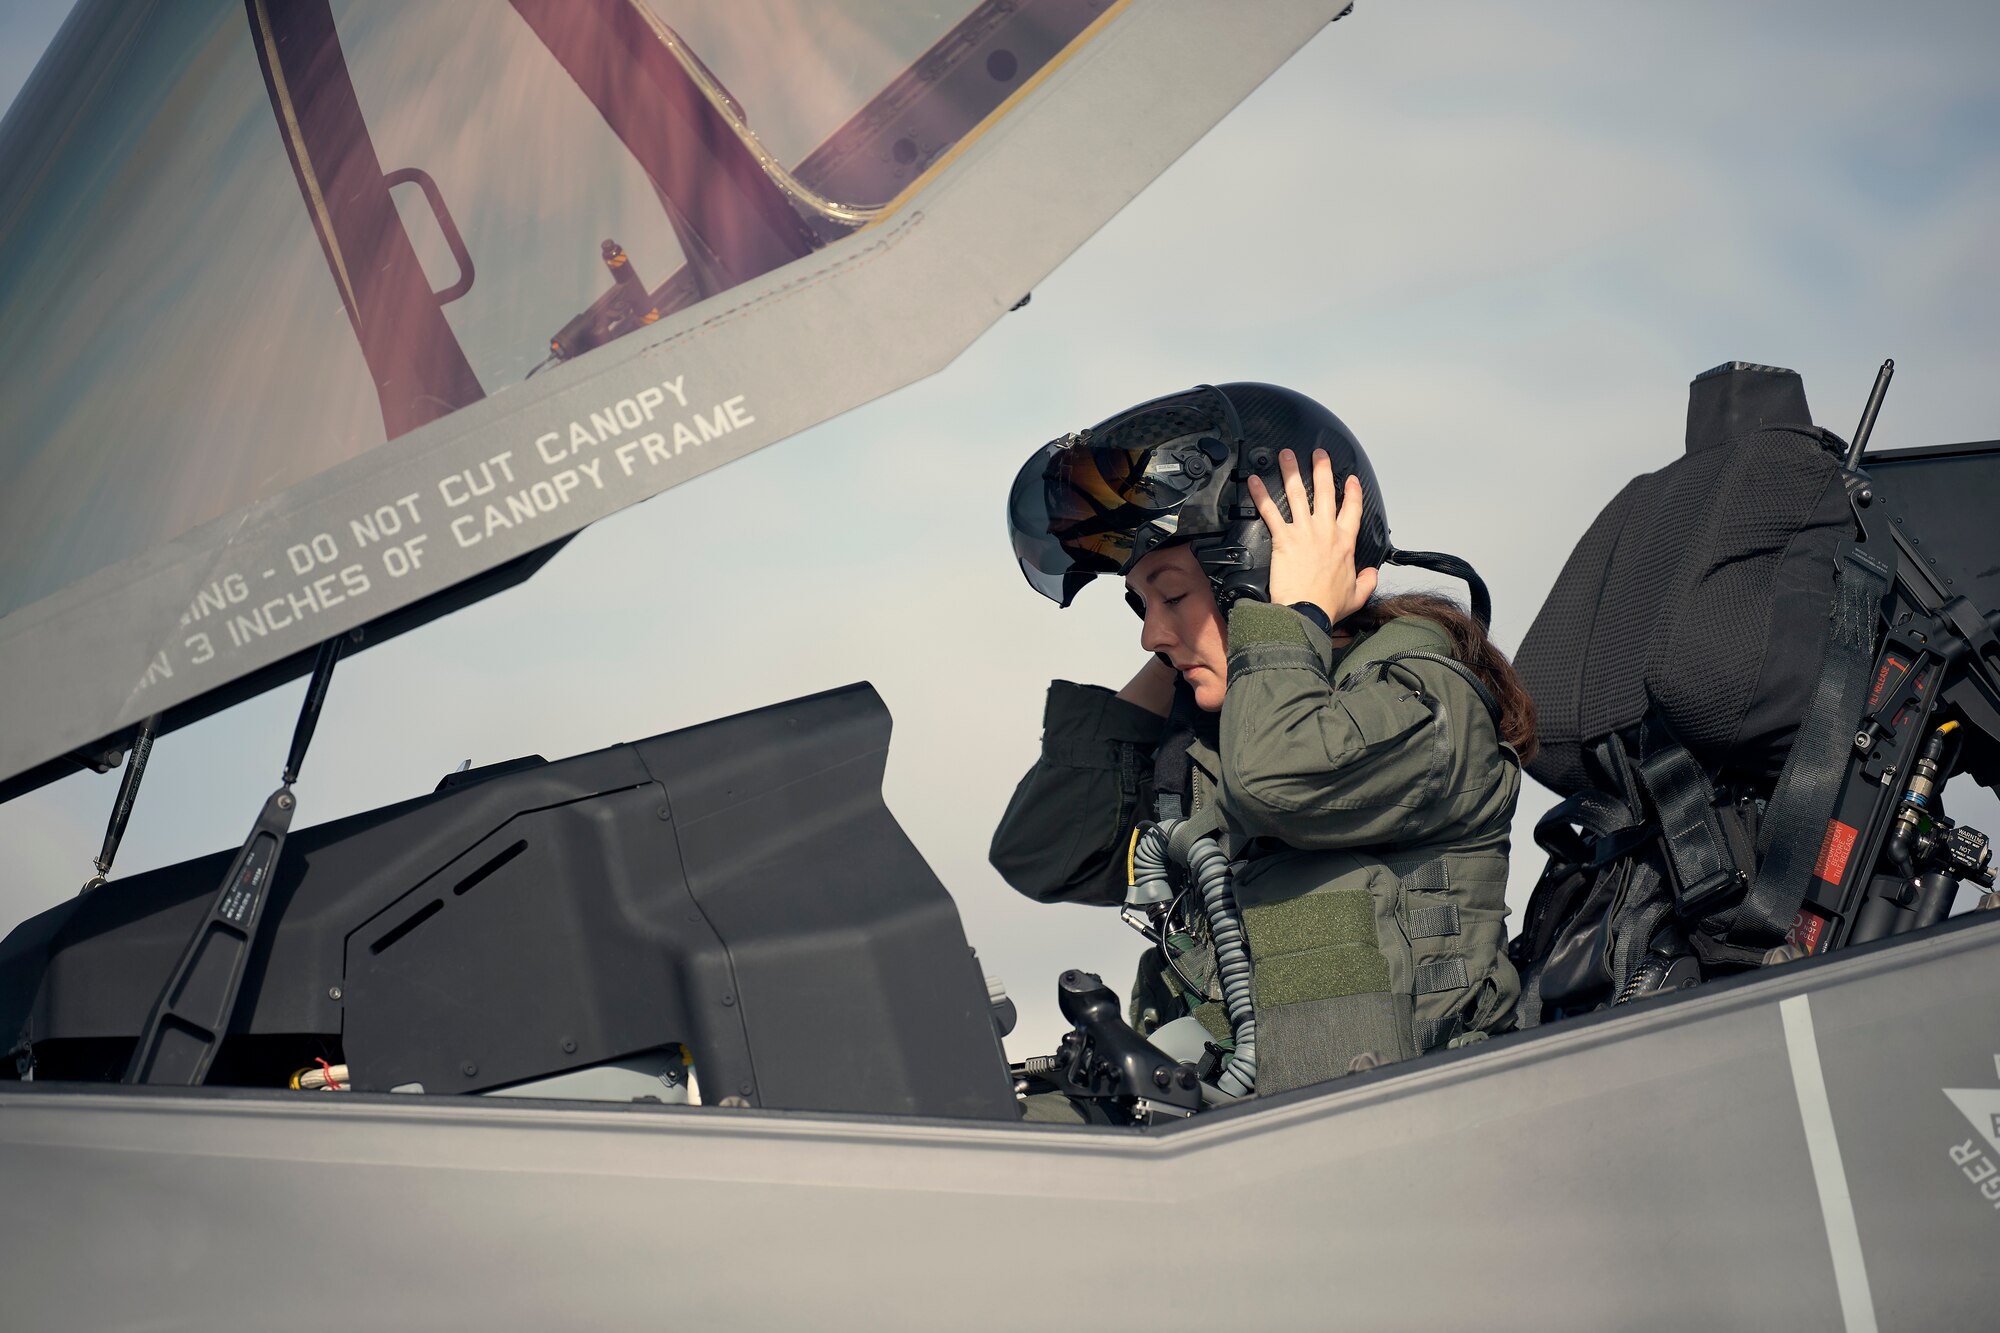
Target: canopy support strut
[[191, 1016], [128, 796]]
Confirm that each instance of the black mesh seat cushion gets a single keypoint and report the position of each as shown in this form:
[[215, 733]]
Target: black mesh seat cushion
[[1700, 592]]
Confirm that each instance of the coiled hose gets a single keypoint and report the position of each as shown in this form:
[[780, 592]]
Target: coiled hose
[[1210, 869]]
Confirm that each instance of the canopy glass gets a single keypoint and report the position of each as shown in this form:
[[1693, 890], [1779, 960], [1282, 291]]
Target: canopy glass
[[243, 242]]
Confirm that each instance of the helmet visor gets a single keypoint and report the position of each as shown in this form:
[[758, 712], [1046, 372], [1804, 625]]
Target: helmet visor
[[1095, 502]]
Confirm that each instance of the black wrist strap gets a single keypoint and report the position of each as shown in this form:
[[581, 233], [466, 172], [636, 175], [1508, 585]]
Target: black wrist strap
[[1312, 612]]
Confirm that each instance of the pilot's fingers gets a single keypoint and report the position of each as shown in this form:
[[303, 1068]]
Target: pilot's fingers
[[1295, 485], [1364, 588], [1324, 489], [1267, 508], [1348, 522]]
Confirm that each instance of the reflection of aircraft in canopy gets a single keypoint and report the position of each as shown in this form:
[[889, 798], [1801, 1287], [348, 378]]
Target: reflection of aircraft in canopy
[[736, 211], [467, 179]]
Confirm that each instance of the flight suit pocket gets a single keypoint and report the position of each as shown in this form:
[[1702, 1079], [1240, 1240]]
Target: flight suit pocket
[[1401, 739], [1317, 1040], [1382, 717], [1322, 986]]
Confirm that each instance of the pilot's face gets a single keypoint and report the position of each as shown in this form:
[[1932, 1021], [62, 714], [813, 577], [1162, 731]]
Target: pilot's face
[[1183, 622]]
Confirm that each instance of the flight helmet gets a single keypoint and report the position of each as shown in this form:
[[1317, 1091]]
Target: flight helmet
[[1173, 471]]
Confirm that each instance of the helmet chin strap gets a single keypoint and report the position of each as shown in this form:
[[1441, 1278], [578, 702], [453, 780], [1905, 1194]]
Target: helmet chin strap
[[1452, 568]]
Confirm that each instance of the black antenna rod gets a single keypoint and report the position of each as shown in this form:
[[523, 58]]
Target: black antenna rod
[[1867, 426]]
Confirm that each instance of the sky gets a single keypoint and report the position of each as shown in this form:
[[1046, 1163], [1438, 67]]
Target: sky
[[1497, 240]]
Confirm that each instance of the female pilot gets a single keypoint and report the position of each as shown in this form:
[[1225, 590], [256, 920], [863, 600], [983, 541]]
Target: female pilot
[[1359, 758]]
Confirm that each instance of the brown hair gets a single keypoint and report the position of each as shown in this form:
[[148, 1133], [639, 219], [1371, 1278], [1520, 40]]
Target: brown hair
[[1469, 645]]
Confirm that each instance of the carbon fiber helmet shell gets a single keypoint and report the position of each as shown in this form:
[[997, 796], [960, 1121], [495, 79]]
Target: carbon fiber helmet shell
[[1275, 418], [1173, 471]]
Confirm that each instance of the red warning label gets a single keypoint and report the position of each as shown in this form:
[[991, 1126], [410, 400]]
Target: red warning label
[[1807, 927], [1892, 670], [1833, 852]]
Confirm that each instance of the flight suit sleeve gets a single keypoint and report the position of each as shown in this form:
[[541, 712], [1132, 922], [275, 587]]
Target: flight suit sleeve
[[1405, 754], [1064, 835]]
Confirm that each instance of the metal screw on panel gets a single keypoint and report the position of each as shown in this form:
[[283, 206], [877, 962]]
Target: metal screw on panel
[[468, 1069], [666, 813], [744, 1087], [569, 1045], [727, 999], [284, 800], [333, 992], [1861, 740]]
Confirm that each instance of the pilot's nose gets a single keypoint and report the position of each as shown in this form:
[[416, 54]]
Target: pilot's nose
[[1154, 635]]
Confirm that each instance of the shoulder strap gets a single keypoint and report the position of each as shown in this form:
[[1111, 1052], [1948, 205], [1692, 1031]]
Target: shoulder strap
[[1808, 785]]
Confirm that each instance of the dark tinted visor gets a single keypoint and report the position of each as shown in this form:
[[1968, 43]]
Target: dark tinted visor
[[1080, 503]]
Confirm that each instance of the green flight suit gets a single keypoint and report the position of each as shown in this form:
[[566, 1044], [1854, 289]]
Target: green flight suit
[[1367, 806]]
